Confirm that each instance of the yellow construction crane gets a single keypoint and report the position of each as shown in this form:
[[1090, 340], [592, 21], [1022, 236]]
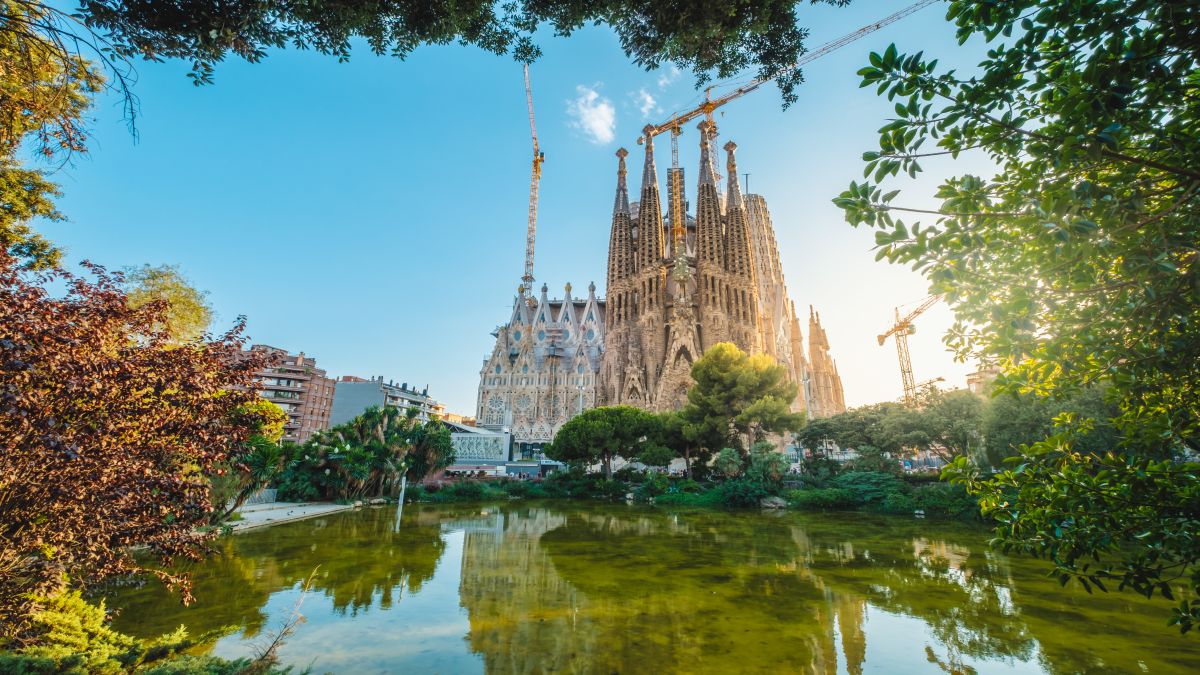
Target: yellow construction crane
[[676, 122], [534, 181], [902, 329]]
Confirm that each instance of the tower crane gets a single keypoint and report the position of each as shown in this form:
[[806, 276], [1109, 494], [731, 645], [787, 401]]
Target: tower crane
[[710, 104], [534, 181], [902, 329]]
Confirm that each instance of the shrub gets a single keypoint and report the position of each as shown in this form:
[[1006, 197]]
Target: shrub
[[898, 503], [73, 636], [741, 493], [610, 489], [766, 465], [728, 463], [871, 487], [655, 485], [465, 491], [524, 489], [823, 499], [708, 498], [628, 474], [949, 500], [685, 485]]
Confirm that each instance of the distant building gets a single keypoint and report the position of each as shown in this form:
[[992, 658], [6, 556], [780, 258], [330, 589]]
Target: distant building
[[353, 395], [297, 385], [980, 380], [480, 450], [455, 418]]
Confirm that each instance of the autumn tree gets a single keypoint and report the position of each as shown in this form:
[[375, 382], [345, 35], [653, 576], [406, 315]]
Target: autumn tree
[[105, 442], [601, 434], [738, 398], [1075, 265], [187, 314]]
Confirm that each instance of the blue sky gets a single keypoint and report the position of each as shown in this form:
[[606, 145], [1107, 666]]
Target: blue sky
[[372, 213]]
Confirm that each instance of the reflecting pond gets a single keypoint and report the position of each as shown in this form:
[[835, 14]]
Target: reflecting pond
[[535, 588]]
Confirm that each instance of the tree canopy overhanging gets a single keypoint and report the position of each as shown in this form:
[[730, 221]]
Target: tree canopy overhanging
[[710, 39], [1076, 265]]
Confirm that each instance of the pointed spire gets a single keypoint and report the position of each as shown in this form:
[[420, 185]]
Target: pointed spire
[[621, 203], [650, 241], [734, 200], [708, 173], [649, 172]]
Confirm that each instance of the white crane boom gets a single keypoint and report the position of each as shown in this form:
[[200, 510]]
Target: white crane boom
[[534, 181]]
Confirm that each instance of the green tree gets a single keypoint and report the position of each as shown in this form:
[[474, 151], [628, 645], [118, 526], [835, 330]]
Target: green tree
[[728, 463], [1014, 420], [766, 464], [737, 399], [431, 448], [691, 33], [260, 461], [600, 434], [674, 432], [952, 422], [1076, 264], [45, 90], [187, 314], [656, 455]]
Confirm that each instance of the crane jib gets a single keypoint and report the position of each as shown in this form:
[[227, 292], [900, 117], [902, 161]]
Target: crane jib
[[711, 104]]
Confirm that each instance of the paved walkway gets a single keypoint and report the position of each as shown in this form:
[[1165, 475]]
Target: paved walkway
[[262, 515]]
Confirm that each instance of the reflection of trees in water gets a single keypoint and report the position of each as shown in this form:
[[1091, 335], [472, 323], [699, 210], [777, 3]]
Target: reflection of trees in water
[[606, 591], [362, 562], [610, 589], [616, 590], [962, 597]]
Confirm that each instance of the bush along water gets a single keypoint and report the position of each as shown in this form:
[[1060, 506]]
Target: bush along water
[[736, 487]]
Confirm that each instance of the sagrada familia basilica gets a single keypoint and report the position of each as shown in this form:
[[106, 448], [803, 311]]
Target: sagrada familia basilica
[[676, 286]]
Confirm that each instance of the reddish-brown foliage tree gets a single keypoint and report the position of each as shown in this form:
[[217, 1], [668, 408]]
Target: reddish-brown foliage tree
[[107, 432]]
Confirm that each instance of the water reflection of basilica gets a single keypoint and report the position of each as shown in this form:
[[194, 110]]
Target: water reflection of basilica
[[666, 595], [521, 589]]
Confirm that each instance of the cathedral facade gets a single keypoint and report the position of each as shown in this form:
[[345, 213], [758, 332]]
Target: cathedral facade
[[680, 284], [676, 286], [543, 368]]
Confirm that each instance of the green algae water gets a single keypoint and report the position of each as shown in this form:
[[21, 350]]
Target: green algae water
[[581, 588]]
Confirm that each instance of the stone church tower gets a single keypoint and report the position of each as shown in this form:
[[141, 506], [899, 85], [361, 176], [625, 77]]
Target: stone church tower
[[680, 286], [675, 288]]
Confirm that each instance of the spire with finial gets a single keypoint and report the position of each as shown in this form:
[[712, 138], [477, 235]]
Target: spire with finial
[[649, 171], [738, 256], [708, 172], [651, 247], [710, 244], [621, 253], [734, 197], [621, 204]]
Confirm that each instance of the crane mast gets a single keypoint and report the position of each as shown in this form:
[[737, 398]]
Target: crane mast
[[534, 181], [710, 104], [901, 330]]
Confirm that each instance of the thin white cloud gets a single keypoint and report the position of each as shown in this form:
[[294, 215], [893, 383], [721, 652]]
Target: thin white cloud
[[667, 78], [593, 114], [645, 102]]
